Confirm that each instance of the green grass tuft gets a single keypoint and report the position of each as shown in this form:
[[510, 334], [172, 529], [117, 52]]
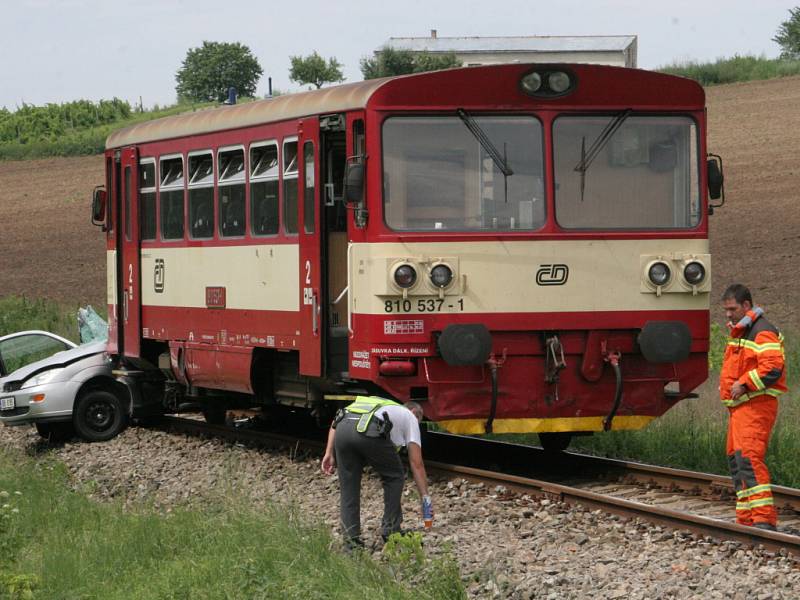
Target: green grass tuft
[[735, 69]]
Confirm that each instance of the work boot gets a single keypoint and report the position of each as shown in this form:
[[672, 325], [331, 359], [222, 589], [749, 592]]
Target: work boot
[[765, 526], [353, 544]]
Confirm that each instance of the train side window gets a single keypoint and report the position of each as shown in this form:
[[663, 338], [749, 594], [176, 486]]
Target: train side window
[[308, 188], [201, 195], [128, 203], [264, 174], [171, 197], [147, 198], [290, 185], [111, 198], [231, 209]]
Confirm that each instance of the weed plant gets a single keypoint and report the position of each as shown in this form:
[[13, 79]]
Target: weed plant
[[68, 546], [735, 69]]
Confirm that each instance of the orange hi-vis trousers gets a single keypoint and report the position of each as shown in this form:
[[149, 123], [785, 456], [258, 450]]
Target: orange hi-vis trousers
[[749, 429]]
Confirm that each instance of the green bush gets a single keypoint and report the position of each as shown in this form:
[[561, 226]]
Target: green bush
[[731, 70], [71, 129]]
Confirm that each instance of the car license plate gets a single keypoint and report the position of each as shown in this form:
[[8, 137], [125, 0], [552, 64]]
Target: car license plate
[[7, 403]]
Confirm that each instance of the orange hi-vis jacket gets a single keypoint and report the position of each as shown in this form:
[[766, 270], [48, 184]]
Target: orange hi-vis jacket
[[754, 357]]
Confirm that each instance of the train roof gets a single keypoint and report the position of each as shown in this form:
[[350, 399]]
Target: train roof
[[495, 85], [291, 106]]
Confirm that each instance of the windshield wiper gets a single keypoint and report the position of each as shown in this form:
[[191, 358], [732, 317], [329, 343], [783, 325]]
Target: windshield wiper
[[588, 156], [485, 142]]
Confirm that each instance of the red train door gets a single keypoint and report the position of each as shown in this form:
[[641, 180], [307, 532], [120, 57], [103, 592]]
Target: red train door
[[310, 267], [129, 308]]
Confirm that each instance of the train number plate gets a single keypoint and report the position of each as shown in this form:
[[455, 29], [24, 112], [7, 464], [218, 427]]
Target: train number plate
[[422, 305], [7, 403]]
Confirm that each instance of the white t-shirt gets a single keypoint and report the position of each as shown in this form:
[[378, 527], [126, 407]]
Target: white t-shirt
[[405, 427]]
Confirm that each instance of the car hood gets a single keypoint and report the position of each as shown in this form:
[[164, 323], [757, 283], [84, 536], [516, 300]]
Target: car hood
[[60, 359]]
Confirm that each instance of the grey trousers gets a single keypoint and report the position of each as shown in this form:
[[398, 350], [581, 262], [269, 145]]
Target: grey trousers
[[353, 452]]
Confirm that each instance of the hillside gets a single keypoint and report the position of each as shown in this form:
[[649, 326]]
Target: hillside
[[49, 248]]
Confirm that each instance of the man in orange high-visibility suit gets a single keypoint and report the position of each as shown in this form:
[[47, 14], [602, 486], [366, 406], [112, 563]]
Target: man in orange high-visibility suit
[[753, 376]]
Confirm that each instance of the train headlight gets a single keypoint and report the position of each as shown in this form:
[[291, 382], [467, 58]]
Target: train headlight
[[531, 83], [405, 276], [659, 273], [694, 273], [559, 82], [441, 276]]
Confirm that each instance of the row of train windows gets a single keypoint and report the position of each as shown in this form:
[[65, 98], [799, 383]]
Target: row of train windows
[[265, 176]]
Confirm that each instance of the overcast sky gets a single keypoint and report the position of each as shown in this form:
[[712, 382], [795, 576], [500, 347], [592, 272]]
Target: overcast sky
[[61, 50]]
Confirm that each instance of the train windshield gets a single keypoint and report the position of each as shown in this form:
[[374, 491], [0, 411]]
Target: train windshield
[[438, 173], [626, 172]]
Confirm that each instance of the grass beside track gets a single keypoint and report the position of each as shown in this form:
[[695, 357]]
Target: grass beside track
[[57, 543]]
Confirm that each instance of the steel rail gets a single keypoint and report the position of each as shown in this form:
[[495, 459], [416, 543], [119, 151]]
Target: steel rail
[[714, 528]]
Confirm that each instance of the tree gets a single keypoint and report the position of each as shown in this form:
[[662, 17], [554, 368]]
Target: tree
[[208, 71], [314, 69], [390, 61], [788, 35]]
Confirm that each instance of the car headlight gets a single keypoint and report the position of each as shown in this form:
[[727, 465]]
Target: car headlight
[[559, 82], [659, 273], [405, 276], [441, 275], [41, 378], [694, 273], [531, 83]]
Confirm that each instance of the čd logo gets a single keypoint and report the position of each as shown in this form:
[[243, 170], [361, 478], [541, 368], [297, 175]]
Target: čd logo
[[552, 274]]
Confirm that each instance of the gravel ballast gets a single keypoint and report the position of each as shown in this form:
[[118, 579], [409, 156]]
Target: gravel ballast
[[507, 546]]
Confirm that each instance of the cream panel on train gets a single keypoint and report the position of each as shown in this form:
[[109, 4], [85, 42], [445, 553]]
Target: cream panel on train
[[534, 276], [254, 277], [111, 277]]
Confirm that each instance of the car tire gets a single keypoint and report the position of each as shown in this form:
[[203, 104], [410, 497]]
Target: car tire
[[215, 414], [55, 432], [99, 416], [555, 441]]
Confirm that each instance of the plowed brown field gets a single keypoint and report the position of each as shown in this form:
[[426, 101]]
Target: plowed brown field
[[49, 248]]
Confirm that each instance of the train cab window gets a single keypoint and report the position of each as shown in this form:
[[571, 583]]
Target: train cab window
[[231, 209], [308, 189], [643, 175], [290, 185], [264, 178], [468, 173], [201, 195], [147, 198], [170, 192]]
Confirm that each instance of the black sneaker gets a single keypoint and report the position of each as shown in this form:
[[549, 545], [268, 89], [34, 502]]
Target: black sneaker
[[765, 526]]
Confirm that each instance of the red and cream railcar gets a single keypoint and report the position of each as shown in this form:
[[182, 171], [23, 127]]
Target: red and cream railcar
[[522, 248]]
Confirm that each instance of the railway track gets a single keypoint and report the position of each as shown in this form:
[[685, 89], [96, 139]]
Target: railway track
[[684, 500]]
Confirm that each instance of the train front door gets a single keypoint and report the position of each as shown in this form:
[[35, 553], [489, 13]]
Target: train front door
[[130, 292], [310, 265]]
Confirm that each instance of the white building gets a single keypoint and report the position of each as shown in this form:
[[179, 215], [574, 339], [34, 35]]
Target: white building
[[616, 50]]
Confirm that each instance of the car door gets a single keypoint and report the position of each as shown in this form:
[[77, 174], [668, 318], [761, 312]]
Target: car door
[[21, 349]]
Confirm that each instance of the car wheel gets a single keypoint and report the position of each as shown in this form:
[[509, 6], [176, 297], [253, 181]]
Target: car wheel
[[99, 416], [555, 442], [215, 414], [55, 432]]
